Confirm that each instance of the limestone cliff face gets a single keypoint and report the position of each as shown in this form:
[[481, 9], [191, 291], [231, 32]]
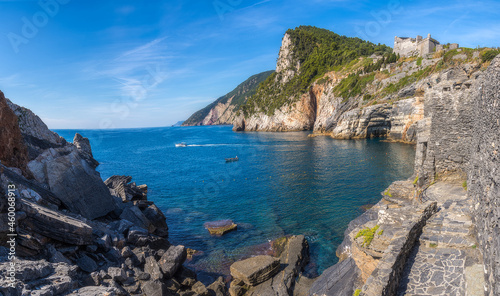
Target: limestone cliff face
[[221, 114], [225, 109], [13, 151], [286, 66], [298, 117]]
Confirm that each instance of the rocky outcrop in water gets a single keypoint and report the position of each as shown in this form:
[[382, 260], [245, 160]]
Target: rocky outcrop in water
[[277, 273], [298, 117]]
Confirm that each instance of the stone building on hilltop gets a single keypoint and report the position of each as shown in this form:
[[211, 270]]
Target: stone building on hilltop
[[405, 46]]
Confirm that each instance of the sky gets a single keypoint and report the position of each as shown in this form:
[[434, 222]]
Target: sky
[[124, 64]]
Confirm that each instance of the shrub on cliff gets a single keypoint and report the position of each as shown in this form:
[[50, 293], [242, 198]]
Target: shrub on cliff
[[489, 55]]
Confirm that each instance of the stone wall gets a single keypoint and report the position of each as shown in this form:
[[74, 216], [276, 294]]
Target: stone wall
[[445, 134], [483, 176]]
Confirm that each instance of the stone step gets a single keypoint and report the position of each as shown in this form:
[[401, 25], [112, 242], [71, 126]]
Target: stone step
[[435, 271], [441, 230], [446, 241]]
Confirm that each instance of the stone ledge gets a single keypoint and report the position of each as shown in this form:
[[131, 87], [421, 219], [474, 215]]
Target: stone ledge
[[385, 278]]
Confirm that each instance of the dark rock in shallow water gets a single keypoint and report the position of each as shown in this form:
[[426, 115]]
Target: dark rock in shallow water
[[338, 280], [200, 289], [220, 227]]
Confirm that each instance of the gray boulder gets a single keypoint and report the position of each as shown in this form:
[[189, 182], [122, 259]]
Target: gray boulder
[[86, 264], [134, 215], [36, 134], [117, 274], [55, 225], [157, 218], [74, 181], [120, 186], [39, 278], [151, 266], [155, 288], [172, 260]]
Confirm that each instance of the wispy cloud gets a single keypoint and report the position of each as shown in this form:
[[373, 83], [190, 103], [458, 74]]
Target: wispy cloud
[[14, 80]]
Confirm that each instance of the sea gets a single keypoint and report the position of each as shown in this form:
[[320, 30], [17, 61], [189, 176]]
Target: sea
[[283, 184]]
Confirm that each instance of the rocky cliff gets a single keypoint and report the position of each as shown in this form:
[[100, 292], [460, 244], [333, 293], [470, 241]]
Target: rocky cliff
[[371, 96], [225, 109], [14, 152]]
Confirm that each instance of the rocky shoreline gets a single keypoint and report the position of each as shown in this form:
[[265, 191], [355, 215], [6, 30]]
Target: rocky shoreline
[[78, 235]]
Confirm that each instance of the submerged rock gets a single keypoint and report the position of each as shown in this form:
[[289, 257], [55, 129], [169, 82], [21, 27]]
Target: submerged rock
[[220, 227]]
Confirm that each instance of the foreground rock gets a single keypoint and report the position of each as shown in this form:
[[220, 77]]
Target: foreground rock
[[75, 182], [273, 275], [255, 270]]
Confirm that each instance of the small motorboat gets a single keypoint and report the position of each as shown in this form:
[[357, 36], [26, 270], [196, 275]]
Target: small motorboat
[[232, 159], [181, 144]]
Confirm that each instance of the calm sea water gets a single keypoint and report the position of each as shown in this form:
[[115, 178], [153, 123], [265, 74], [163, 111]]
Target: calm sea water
[[284, 183]]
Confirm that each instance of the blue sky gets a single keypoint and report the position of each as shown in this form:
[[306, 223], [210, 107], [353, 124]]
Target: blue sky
[[120, 64]]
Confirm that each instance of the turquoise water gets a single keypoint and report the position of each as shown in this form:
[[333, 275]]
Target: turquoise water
[[284, 183]]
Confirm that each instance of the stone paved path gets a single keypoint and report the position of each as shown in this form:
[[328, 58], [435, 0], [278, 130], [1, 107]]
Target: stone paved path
[[445, 261]]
